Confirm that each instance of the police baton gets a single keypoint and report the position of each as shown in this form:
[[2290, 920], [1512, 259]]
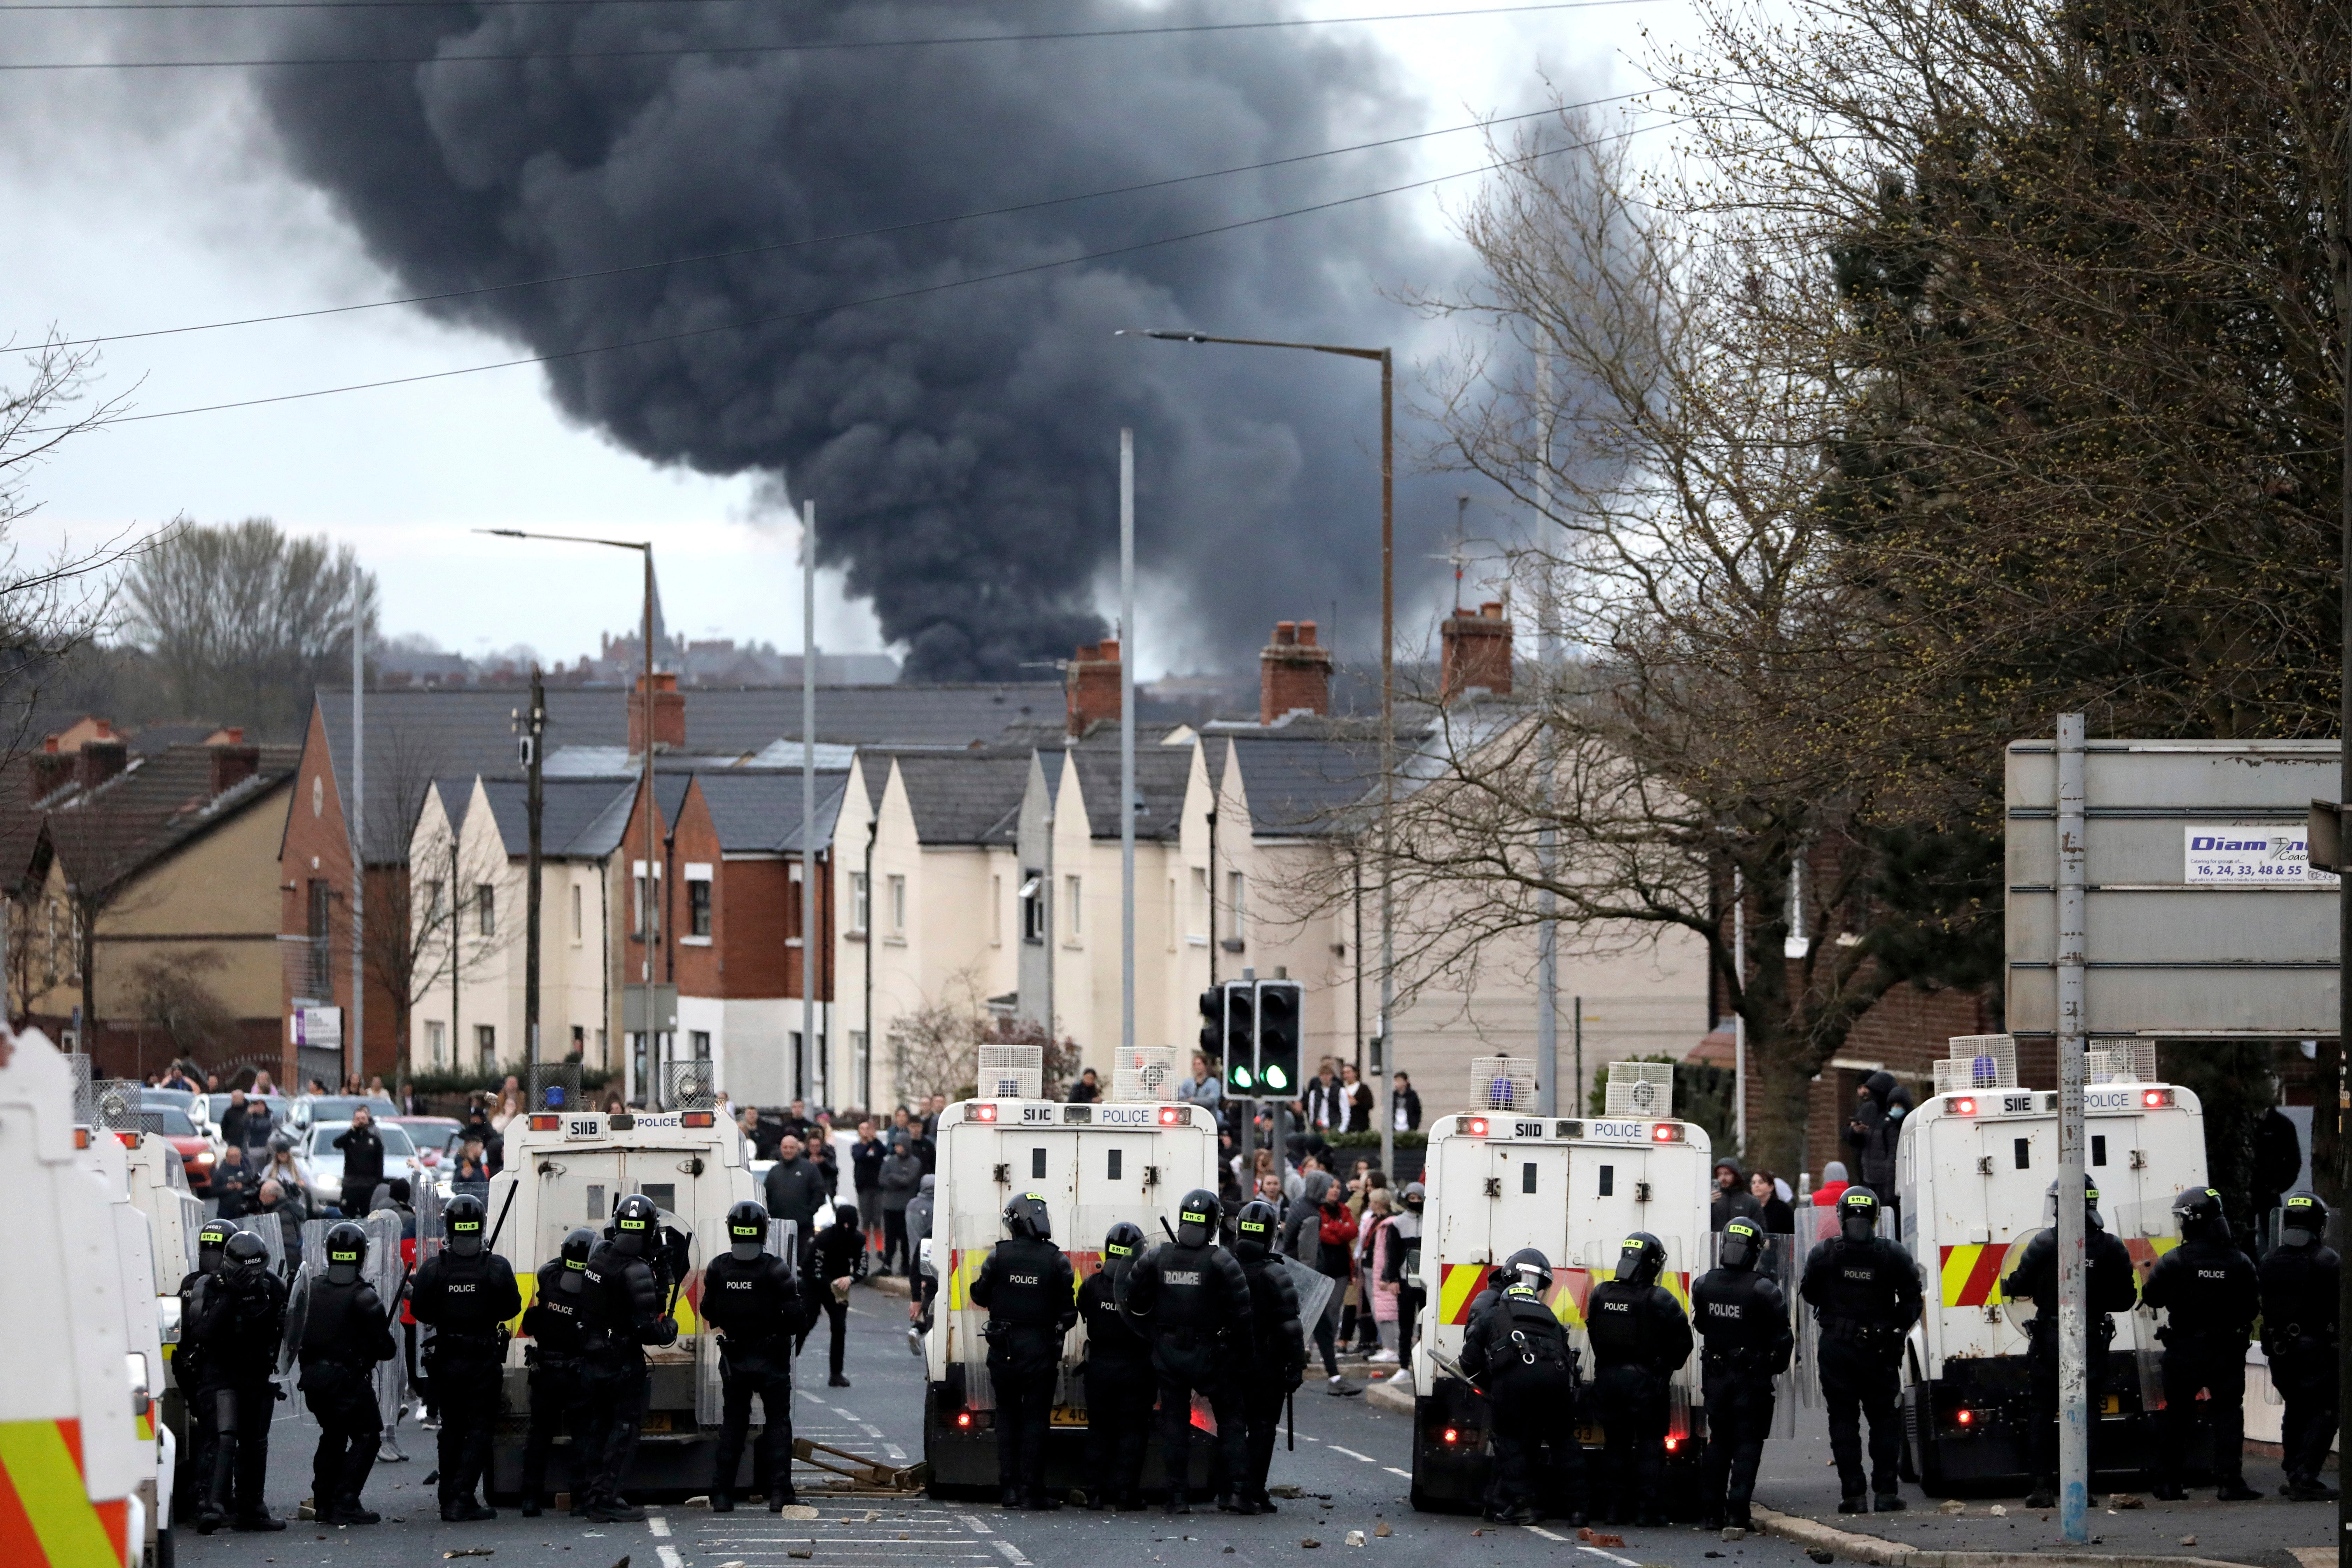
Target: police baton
[[1291, 1399], [504, 1208], [1448, 1364]]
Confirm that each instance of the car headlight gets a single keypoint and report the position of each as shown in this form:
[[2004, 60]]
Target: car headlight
[[204, 1159]]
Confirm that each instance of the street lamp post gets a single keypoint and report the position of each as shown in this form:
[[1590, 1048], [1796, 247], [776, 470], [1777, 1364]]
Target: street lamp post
[[1385, 1065], [646, 698]]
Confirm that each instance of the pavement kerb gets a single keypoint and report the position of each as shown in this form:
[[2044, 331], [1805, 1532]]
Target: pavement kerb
[[1855, 1547], [1393, 1397]]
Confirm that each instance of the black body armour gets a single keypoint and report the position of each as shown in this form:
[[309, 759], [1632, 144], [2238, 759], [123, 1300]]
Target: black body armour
[[1743, 1319], [1636, 1325], [754, 1303]]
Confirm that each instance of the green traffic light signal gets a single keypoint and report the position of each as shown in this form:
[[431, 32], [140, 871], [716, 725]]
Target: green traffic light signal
[[1275, 1079]]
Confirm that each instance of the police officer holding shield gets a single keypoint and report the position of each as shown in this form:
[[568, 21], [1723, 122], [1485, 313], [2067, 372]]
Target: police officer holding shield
[[1743, 1324], [1639, 1339], [2298, 1279], [754, 1302], [1520, 1353], [554, 1324], [1196, 1300], [1276, 1360], [1027, 1286], [1864, 1290], [346, 1330], [2109, 1287], [240, 1328], [468, 1294], [1118, 1376], [628, 1308], [188, 1365], [2210, 1293]]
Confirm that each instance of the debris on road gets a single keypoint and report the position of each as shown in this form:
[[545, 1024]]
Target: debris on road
[[1383, 1530], [1286, 1490], [1310, 1542], [1591, 1537], [1998, 1511], [797, 1511], [1355, 1538], [470, 1552], [1821, 1554], [2188, 1540], [860, 1468], [2128, 1500], [1733, 1533], [1951, 1505]]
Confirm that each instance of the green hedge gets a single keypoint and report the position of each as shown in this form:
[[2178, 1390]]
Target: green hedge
[[441, 1084], [1373, 1140]]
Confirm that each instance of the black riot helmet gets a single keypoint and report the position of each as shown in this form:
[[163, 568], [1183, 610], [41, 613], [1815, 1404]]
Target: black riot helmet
[[1254, 1228], [1123, 1244], [1528, 1267], [1640, 1258], [2198, 1212], [576, 1248], [2303, 1220], [632, 1225], [2090, 1204], [1857, 1211], [462, 1219], [1027, 1219], [346, 1252], [210, 1241], [747, 1231], [243, 1250], [1196, 1218], [1742, 1244]]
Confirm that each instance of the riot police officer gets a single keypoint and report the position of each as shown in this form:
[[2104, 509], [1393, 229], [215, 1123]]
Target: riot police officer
[[188, 1366], [754, 1300], [238, 1329], [1026, 1286], [2208, 1290], [1196, 1300], [346, 1330], [1864, 1291], [1520, 1353], [1276, 1362], [1743, 1325], [467, 1293], [1639, 1339], [1118, 1371], [628, 1308], [2298, 1279], [2109, 1286], [554, 1324]]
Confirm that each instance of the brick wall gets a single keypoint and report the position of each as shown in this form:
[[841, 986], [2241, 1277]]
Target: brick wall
[[316, 847], [1293, 673]]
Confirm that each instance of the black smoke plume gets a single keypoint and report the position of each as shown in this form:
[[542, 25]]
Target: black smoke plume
[[961, 445]]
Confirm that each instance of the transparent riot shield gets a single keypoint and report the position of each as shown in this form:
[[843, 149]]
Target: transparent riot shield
[[2147, 1231], [426, 1203], [1778, 1262], [1313, 1297], [387, 1274], [298, 1316], [1814, 1226]]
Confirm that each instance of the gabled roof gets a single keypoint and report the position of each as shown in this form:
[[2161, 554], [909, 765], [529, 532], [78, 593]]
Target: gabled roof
[[577, 816], [966, 797], [1161, 774], [159, 802], [1300, 787], [759, 812]]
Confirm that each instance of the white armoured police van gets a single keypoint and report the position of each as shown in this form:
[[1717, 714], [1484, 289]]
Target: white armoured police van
[[107, 1155], [1094, 1165], [1973, 1170], [1497, 1181], [571, 1168]]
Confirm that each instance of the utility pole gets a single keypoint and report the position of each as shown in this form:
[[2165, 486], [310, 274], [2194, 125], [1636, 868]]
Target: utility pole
[[355, 1045], [645, 921], [809, 1052], [2343, 883], [1127, 747], [533, 725], [2073, 1027], [1739, 1012], [1546, 832]]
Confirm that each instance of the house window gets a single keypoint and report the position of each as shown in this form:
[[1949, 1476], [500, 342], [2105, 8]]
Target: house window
[[486, 908], [485, 1045], [1171, 914], [996, 912], [641, 904], [576, 923], [1073, 906], [1234, 887], [1033, 906], [1203, 917], [322, 979], [579, 1042], [861, 902], [701, 1041], [897, 906], [861, 1057], [437, 1042], [698, 908]]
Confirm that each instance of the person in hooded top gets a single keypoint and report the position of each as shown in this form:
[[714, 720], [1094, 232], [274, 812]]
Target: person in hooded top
[[1731, 1199], [1872, 1135], [1833, 1185], [840, 1260]]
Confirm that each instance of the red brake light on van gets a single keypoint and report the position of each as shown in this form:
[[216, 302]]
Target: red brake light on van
[[1964, 1417], [1173, 1116], [1962, 1105], [1673, 1443], [2155, 1098], [697, 1118], [542, 1123], [982, 1113], [130, 1137], [963, 1417], [1475, 1126], [1666, 1132], [1454, 1433]]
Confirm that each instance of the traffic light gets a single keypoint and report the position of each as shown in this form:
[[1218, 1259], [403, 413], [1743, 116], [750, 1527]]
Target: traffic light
[[1241, 1036], [1212, 1026], [1278, 1043]]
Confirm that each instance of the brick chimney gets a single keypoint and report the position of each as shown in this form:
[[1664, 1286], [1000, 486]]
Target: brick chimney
[[1293, 674], [670, 715], [102, 756], [233, 761], [47, 770], [1091, 685], [1478, 652]]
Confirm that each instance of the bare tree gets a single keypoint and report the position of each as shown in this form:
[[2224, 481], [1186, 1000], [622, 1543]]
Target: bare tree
[[169, 993], [938, 1044]]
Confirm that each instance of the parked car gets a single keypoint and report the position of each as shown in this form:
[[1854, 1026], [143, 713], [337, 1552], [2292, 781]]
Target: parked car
[[216, 1106], [322, 1163], [309, 1109], [436, 1139], [195, 1147]]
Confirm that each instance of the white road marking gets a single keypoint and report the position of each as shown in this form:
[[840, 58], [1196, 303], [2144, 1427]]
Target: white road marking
[[892, 1451], [1352, 1454], [658, 1525], [848, 1415], [670, 1557], [1310, 1439], [1612, 1557], [1547, 1534], [871, 1431], [973, 1520], [1011, 1553]]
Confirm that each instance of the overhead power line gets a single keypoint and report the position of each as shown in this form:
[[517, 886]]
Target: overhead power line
[[827, 45], [895, 296], [782, 245]]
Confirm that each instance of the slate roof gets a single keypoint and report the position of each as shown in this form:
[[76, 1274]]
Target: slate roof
[[581, 819], [157, 803], [965, 797], [759, 812], [1160, 775], [1300, 786]]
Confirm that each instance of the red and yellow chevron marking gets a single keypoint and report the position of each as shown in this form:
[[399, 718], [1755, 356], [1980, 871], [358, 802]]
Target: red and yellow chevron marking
[[963, 1267], [1457, 1287], [1972, 1273], [689, 1298], [1460, 1283], [46, 1520]]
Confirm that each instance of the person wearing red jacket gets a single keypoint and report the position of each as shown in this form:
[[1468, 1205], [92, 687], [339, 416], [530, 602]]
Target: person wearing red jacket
[[1833, 1185]]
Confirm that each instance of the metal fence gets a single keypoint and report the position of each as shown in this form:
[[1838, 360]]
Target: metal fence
[[688, 1086]]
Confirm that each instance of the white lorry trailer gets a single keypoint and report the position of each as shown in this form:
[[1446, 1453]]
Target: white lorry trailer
[[1576, 1187], [1095, 1165], [571, 1168], [1973, 1169]]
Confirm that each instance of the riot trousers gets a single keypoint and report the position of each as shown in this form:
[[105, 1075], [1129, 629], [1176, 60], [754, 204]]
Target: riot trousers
[[466, 1376], [2041, 1393], [1261, 1399], [1118, 1425], [1536, 1456], [765, 1370], [2219, 1368], [614, 1386], [1858, 1383], [2305, 1379], [555, 1404], [1738, 1418], [1182, 1370], [350, 1430], [1022, 1368], [1632, 1404], [238, 1414]]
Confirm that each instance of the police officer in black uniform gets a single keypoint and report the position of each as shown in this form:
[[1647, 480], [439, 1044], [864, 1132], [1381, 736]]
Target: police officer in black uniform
[[1196, 1300], [628, 1308], [468, 1294], [755, 1301], [1520, 1353], [1639, 1339], [345, 1333], [1743, 1325], [1277, 1359], [1026, 1285], [2208, 1289], [1119, 1377], [238, 1329], [188, 1367], [2298, 1279], [556, 1324], [1864, 1290], [2109, 1286]]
